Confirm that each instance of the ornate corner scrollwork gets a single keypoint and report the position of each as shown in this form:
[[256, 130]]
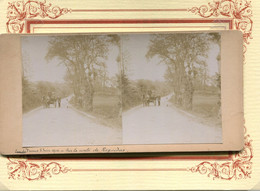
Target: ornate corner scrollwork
[[19, 11], [240, 11], [22, 169], [239, 167]]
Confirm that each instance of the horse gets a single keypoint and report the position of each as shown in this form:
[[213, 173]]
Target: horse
[[150, 99], [51, 100]]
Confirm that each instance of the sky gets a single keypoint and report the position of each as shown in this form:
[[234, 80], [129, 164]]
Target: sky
[[36, 68], [139, 66]]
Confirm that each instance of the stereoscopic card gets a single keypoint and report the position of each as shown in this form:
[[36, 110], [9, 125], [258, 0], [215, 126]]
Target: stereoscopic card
[[121, 92]]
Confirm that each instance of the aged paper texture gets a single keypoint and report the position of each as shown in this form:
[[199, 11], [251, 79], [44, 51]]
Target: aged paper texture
[[161, 171]]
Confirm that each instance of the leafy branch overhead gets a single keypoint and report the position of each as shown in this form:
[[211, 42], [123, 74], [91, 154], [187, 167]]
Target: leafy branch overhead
[[184, 55], [84, 57]]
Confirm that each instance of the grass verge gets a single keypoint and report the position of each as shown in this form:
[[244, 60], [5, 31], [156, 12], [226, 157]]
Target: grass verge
[[204, 107], [106, 110]]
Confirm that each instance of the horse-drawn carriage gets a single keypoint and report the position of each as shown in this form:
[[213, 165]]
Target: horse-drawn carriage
[[49, 100], [149, 97]]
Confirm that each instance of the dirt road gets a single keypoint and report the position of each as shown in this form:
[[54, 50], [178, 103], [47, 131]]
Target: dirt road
[[65, 127], [165, 124]]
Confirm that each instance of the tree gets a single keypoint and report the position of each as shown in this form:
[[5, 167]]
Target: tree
[[202, 78], [123, 78], [83, 56], [183, 54]]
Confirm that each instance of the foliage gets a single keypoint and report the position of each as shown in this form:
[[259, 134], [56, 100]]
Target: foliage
[[133, 91], [84, 57], [128, 95], [30, 98], [32, 92], [184, 55]]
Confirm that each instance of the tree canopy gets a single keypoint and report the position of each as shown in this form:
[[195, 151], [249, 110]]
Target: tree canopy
[[84, 57], [184, 54]]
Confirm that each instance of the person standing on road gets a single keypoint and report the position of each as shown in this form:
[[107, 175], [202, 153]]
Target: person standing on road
[[59, 102], [44, 101], [159, 100], [144, 100]]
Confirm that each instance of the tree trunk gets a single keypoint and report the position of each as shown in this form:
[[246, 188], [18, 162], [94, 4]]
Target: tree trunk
[[179, 80], [188, 97], [91, 97]]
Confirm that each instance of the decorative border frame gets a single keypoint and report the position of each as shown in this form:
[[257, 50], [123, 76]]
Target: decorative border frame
[[22, 169], [240, 14], [31, 22], [19, 11], [240, 11]]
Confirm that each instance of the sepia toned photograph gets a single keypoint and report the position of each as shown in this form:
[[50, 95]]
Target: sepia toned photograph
[[121, 89], [171, 92], [70, 90]]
